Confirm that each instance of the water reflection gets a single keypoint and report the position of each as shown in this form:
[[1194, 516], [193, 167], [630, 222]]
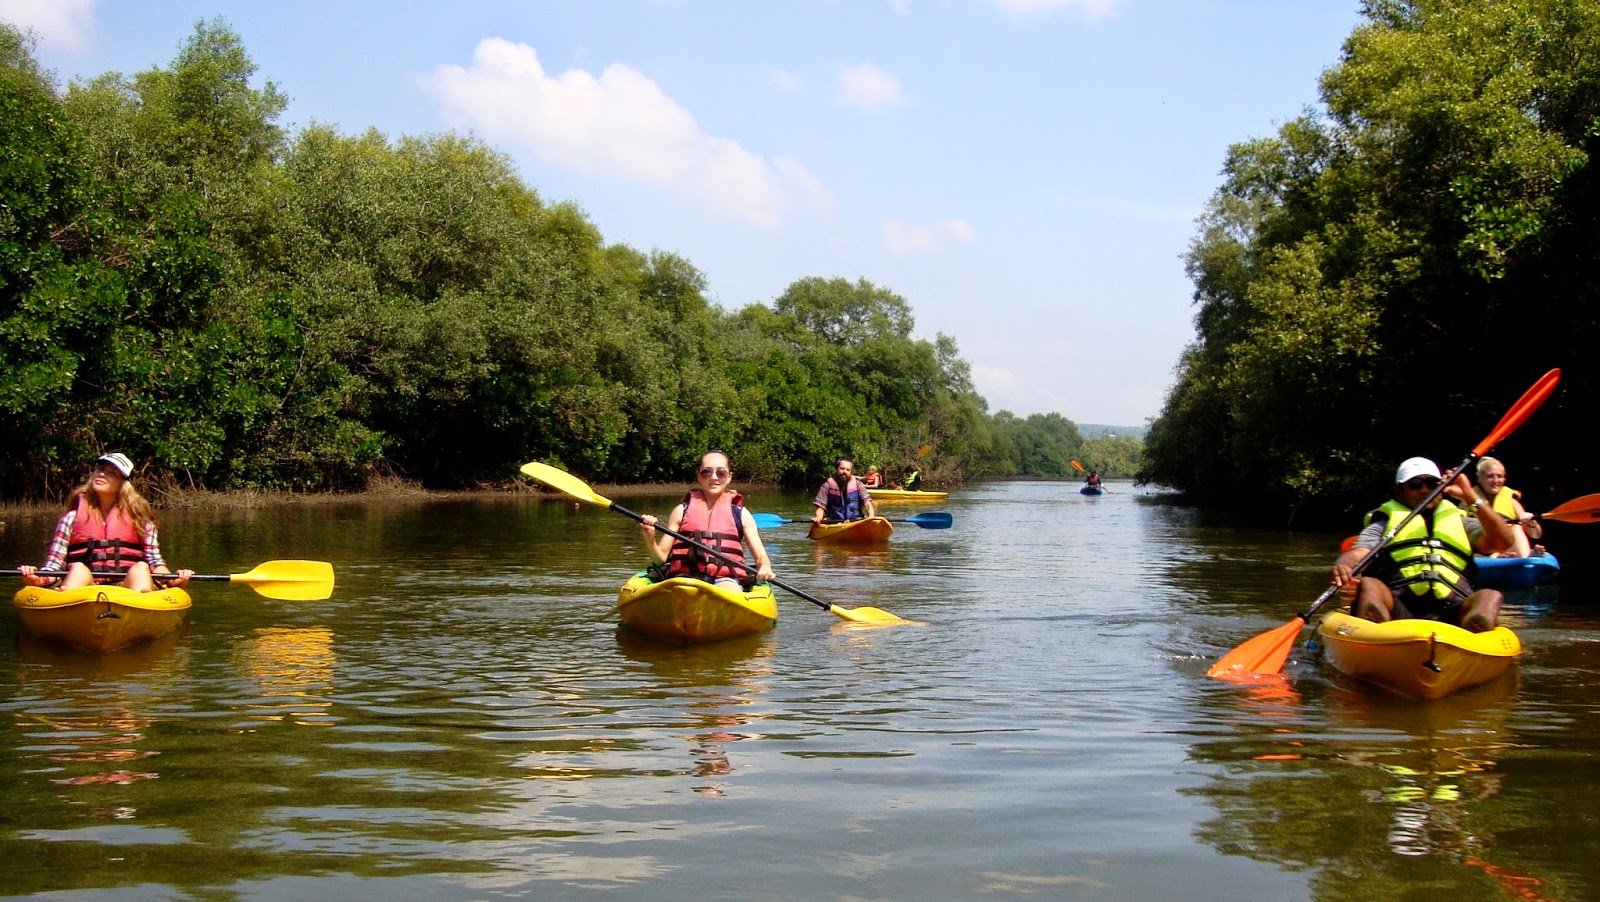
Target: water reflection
[[292, 670]]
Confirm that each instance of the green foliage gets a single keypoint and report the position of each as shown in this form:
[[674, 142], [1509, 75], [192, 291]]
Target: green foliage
[[236, 306], [1389, 245]]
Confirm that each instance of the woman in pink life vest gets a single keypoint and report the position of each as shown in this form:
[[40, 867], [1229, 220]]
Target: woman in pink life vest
[[714, 516], [107, 535]]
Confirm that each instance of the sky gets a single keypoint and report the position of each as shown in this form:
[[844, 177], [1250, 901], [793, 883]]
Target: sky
[[1027, 174]]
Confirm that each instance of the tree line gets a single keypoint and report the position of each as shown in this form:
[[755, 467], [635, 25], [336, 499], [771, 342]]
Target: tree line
[[1388, 273], [238, 306]]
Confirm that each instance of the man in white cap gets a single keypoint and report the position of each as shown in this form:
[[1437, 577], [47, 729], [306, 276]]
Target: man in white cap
[[1426, 570]]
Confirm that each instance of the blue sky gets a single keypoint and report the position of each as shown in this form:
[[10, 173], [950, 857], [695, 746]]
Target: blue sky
[[1025, 173]]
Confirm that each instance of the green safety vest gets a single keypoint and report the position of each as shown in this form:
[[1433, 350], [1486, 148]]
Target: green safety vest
[[1431, 555]]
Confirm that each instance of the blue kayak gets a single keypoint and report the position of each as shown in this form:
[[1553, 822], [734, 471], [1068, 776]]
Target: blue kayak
[[1092, 490], [1514, 572]]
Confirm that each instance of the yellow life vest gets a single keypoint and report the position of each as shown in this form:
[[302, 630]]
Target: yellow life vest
[[1430, 555]]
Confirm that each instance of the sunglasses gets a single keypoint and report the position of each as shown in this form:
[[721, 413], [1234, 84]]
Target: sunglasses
[[1420, 482], [719, 472]]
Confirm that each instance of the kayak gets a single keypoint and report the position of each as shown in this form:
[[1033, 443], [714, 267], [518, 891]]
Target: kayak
[[906, 495], [1516, 572], [1091, 490], [872, 529], [684, 610], [1417, 658], [101, 618]]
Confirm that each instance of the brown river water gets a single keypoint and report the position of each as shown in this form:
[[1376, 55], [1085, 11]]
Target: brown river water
[[464, 719]]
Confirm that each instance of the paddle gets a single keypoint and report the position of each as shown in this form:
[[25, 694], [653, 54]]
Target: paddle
[[283, 580], [1076, 466], [1267, 652], [929, 520], [573, 486], [1585, 509]]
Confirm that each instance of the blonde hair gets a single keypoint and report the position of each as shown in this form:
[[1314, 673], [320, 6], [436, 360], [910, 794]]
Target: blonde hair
[[1484, 463], [129, 501]]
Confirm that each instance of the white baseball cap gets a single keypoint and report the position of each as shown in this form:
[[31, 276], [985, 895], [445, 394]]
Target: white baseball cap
[[119, 460], [1414, 467]]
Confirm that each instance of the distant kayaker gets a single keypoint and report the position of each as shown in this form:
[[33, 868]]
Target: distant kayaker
[[107, 529], [1507, 502], [873, 479], [913, 479], [1092, 479], [713, 515], [842, 498], [1425, 571]]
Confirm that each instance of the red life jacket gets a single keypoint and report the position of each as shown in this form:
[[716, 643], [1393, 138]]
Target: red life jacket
[[720, 527], [112, 544]]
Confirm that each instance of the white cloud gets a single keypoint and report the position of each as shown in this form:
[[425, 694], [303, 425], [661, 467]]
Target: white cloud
[[902, 237], [64, 23], [868, 88], [1089, 9], [786, 81], [618, 125]]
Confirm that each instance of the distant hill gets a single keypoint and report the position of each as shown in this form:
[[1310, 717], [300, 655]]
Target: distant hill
[[1090, 430]]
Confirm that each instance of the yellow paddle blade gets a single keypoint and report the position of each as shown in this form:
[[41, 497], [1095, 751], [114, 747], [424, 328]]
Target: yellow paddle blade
[[563, 481], [290, 580], [866, 615], [1264, 653]]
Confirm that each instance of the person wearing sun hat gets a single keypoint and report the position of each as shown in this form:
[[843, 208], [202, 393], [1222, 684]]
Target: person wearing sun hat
[[107, 535], [1426, 570]]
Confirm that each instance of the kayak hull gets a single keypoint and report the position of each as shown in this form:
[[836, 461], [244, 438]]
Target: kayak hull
[[906, 496], [684, 610], [101, 618], [1091, 490], [1416, 658], [1516, 572], [872, 529]]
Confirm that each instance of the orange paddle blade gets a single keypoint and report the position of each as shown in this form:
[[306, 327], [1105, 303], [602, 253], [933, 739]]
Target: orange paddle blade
[[1579, 510], [1263, 653], [1076, 466], [1520, 411]]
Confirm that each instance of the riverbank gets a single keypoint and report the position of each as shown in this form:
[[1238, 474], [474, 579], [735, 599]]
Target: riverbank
[[380, 492]]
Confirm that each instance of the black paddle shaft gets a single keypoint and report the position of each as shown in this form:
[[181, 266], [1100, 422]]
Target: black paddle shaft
[[722, 557]]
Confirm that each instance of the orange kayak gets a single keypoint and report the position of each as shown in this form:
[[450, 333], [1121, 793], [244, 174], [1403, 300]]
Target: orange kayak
[[872, 529]]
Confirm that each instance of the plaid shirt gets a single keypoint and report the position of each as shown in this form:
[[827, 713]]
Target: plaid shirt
[[56, 557]]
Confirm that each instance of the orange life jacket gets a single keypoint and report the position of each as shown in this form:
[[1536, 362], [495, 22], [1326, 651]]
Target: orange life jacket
[[720, 527], [110, 544]]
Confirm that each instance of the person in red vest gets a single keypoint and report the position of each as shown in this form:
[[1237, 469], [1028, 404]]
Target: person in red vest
[[107, 535], [713, 515]]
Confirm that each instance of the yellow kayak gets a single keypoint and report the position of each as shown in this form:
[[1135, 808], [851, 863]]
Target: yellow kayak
[[906, 495], [101, 618], [1418, 658], [872, 529], [684, 609]]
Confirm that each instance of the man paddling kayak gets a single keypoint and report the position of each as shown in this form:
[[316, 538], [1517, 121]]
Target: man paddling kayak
[[843, 498], [1426, 570]]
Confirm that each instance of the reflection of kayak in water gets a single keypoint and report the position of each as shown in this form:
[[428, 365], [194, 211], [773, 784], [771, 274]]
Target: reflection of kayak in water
[[1417, 658], [1511, 572], [683, 609], [101, 618]]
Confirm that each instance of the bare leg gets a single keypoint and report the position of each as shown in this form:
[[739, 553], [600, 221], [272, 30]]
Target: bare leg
[[1480, 611], [77, 575], [1374, 601], [138, 578]]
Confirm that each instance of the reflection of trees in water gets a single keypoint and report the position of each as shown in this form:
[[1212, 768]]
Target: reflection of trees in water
[[1368, 791]]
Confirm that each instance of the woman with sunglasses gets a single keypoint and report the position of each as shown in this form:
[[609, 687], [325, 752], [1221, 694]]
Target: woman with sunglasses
[[107, 535], [1425, 571], [1505, 502], [713, 515]]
